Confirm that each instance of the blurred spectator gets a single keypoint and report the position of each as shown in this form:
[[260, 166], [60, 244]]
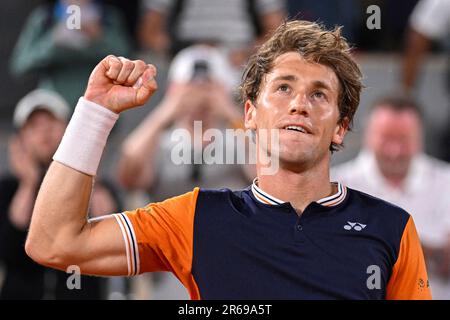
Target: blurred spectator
[[62, 57], [347, 13], [40, 118], [171, 25], [392, 166], [199, 90], [430, 21]]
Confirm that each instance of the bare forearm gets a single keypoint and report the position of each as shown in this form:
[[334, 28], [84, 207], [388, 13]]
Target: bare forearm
[[60, 212], [416, 47], [136, 166], [147, 134]]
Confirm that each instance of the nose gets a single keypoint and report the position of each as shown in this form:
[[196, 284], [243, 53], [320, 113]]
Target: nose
[[299, 105]]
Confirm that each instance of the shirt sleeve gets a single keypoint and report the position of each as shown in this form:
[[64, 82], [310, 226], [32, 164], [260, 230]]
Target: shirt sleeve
[[409, 279], [159, 237]]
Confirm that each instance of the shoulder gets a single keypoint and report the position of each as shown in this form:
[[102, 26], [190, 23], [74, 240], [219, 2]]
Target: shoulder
[[432, 173], [371, 203], [223, 194], [435, 164], [383, 221], [223, 200], [198, 199], [385, 216]]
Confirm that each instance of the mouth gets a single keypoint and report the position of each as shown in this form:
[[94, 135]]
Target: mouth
[[297, 128]]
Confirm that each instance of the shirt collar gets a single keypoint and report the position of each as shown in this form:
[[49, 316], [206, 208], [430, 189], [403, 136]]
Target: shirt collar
[[329, 201]]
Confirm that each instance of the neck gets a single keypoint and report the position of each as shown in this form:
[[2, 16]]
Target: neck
[[300, 187]]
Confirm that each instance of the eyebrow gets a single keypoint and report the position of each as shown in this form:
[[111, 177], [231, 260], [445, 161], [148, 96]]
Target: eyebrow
[[322, 85], [290, 77]]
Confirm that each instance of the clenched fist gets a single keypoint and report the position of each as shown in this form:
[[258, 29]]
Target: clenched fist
[[120, 84]]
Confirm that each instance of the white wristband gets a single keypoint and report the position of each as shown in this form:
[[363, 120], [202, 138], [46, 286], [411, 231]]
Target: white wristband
[[85, 138]]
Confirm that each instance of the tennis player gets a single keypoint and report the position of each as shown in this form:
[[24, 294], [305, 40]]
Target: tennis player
[[290, 235]]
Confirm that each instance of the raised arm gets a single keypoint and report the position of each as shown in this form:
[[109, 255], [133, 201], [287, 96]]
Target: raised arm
[[60, 234], [416, 47]]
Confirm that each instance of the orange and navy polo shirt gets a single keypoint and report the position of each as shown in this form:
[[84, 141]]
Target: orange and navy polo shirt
[[247, 244]]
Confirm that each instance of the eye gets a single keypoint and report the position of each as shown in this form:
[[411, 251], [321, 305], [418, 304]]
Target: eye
[[319, 95], [284, 88]]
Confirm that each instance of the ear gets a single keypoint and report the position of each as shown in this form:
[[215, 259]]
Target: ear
[[340, 131], [250, 115]]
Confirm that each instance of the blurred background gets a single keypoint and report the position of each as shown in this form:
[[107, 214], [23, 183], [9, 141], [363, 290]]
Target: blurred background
[[47, 52]]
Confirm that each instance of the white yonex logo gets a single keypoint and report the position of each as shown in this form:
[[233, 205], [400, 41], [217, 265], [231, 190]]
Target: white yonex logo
[[354, 226]]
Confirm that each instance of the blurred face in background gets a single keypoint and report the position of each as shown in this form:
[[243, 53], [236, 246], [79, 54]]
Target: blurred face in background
[[197, 106], [199, 101], [395, 137], [200, 96], [41, 135]]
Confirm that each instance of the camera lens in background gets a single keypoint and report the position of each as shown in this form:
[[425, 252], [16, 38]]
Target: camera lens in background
[[201, 71]]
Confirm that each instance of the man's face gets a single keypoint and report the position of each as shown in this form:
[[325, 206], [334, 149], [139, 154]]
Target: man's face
[[300, 94], [394, 137], [197, 105], [41, 134]]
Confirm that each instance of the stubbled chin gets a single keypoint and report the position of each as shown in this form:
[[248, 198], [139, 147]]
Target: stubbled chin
[[296, 140], [294, 135]]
